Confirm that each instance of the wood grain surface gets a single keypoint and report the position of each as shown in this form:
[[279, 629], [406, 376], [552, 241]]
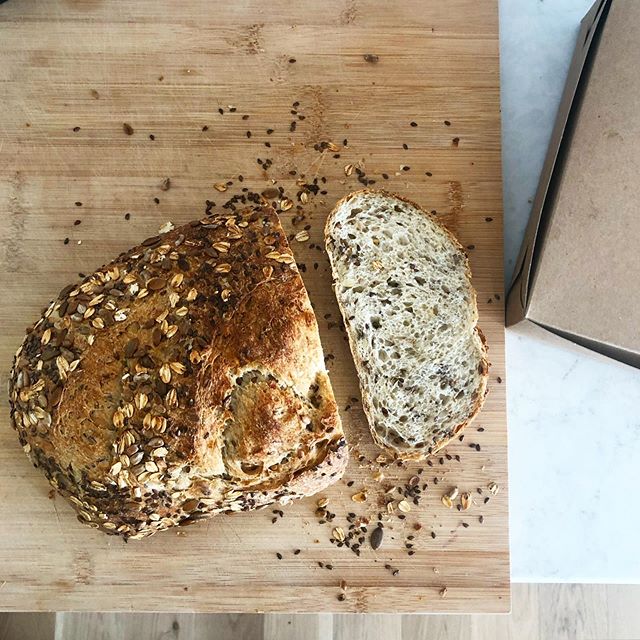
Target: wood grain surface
[[72, 73], [540, 612]]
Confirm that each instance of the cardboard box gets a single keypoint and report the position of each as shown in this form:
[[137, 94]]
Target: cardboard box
[[578, 273]]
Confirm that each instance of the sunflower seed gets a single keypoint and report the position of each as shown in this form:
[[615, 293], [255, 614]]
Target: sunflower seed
[[156, 284], [136, 458], [131, 347], [271, 192], [376, 538]]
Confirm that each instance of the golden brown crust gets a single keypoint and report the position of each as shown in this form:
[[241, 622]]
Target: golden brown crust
[[183, 379], [401, 453]]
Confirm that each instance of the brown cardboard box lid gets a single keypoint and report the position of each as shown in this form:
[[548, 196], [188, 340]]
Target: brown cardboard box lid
[[579, 270]]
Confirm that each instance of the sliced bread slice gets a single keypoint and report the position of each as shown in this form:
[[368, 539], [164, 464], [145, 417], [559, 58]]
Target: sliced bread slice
[[404, 288]]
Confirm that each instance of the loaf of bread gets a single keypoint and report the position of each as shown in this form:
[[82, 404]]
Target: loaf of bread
[[404, 288], [185, 378]]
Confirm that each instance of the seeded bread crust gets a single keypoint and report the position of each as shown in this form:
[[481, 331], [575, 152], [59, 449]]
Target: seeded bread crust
[[434, 438], [183, 379]]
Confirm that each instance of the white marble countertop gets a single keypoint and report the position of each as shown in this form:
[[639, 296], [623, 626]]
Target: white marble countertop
[[574, 417]]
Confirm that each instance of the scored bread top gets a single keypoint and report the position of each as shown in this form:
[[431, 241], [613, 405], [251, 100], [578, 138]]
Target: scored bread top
[[183, 379], [403, 285]]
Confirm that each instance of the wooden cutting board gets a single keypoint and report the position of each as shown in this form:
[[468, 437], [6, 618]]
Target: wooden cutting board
[[366, 77]]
